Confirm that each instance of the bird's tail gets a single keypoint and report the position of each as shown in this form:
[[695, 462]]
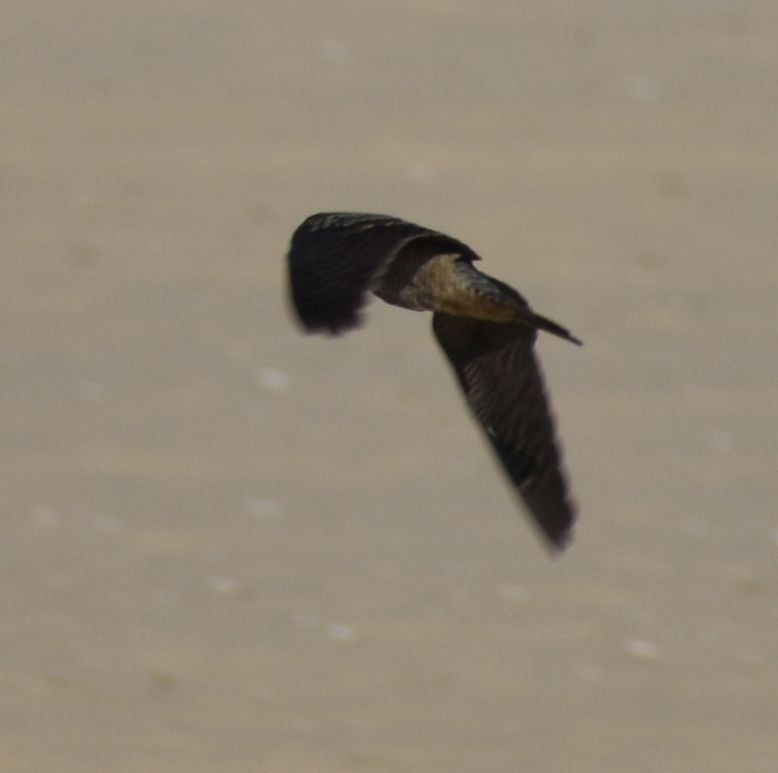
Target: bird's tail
[[537, 322], [520, 311]]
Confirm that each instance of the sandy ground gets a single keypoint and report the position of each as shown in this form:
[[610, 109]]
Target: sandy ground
[[229, 547]]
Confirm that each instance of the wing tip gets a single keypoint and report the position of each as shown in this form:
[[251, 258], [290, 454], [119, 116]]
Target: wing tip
[[555, 521], [559, 541], [329, 322]]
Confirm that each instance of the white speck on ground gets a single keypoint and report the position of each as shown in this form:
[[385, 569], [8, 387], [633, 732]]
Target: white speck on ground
[[224, 586], [338, 632], [261, 508], [272, 378], [641, 649]]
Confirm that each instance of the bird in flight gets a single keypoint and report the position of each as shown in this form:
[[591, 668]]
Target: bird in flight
[[485, 328]]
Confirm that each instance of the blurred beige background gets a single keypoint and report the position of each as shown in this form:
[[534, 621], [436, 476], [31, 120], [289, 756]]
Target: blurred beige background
[[226, 546]]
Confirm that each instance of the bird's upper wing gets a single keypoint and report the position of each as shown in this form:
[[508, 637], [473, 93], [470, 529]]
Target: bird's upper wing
[[504, 387], [336, 258]]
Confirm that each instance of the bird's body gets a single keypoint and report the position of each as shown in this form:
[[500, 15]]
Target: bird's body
[[486, 329]]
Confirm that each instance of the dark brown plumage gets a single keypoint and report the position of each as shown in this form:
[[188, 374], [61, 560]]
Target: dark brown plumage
[[485, 328]]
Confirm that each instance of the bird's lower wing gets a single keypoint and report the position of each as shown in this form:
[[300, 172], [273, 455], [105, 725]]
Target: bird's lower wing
[[336, 259], [503, 385]]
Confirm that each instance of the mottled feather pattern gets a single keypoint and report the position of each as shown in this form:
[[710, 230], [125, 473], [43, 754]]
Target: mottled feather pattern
[[486, 330], [335, 259], [503, 385]]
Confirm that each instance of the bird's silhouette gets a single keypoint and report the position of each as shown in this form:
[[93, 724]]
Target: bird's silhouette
[[485, 328]]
